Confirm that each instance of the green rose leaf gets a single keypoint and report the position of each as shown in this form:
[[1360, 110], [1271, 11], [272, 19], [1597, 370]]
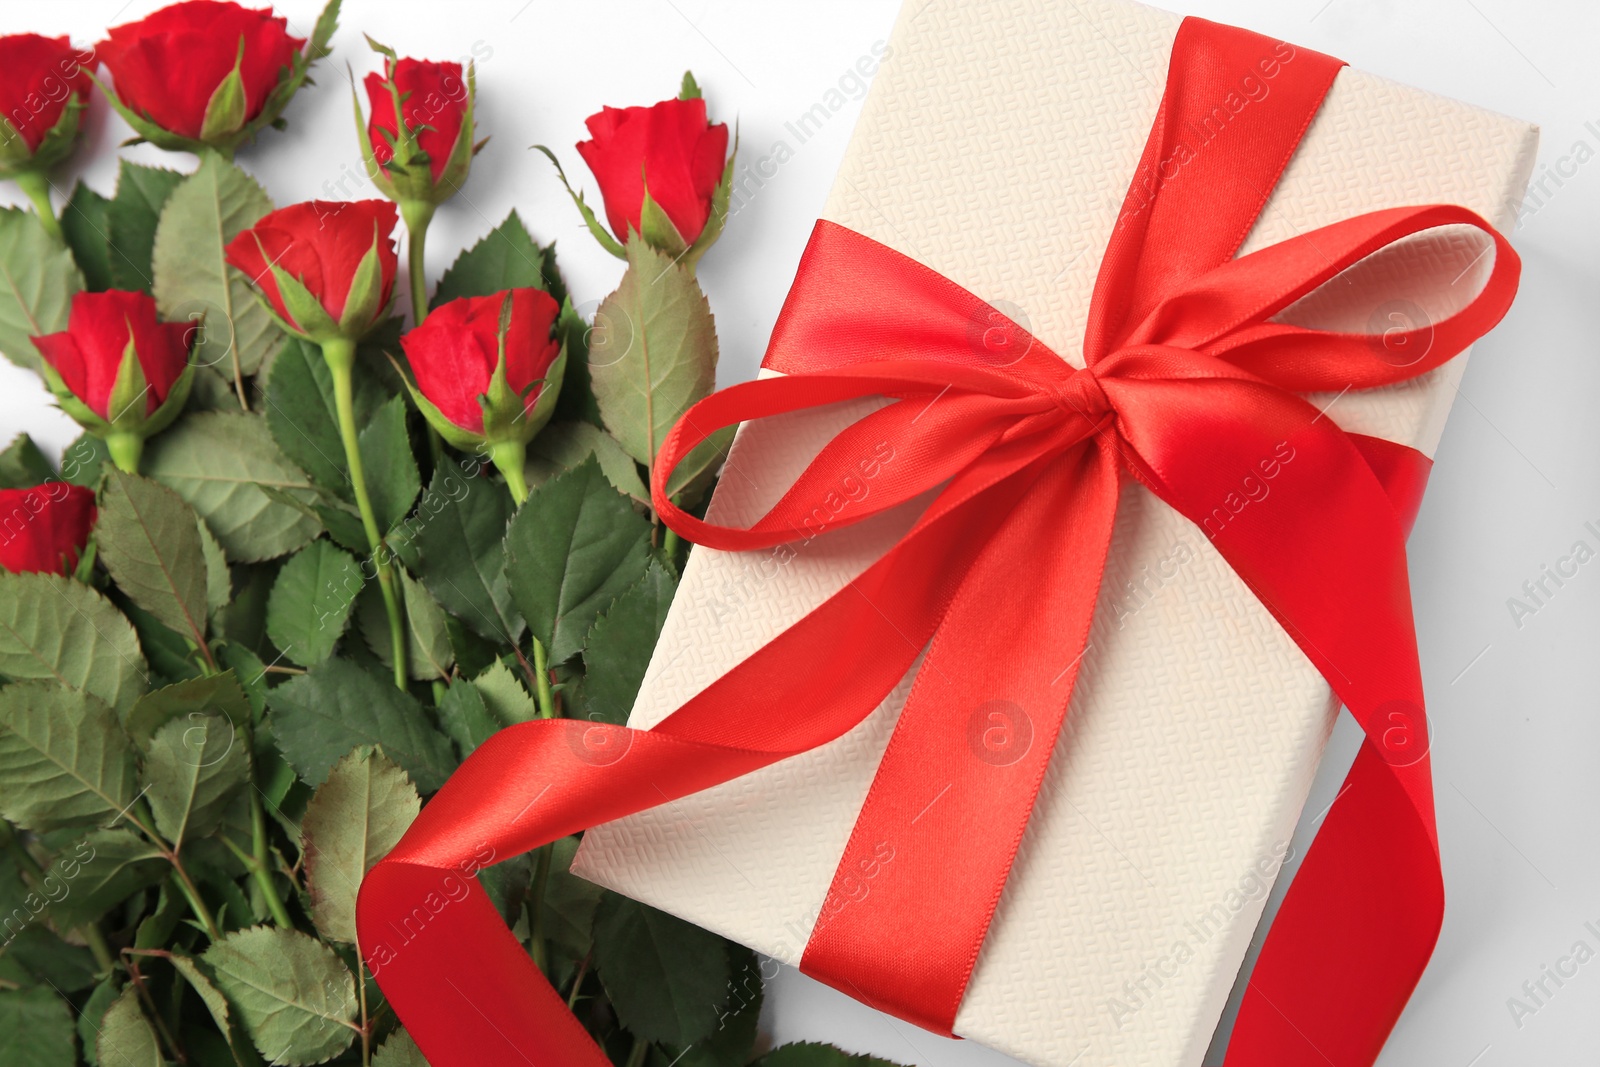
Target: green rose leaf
[[667, 979], [150, 542], [618, 649], [64, 761], [506, 698], [569, 903], [428, 651], [219, 464], [465, 717], [126, 1037], [300, 412], [392, 479], [103, 869], [37, 280], [83, 224], [336, 706], [652, 353], [399, 1051], [814, 1054], [194, 767], [311, 601], [195, 973], [191, 273], [296, 998], [35, 1029], [89, 1018], [22, 464], [354, 818], [573, 548], [506, 258], [37, 956], [460, 536], [735, 1035], [219, 579], [131, 221], [217, 694], [83, 461], [55, 629], [564, 445]]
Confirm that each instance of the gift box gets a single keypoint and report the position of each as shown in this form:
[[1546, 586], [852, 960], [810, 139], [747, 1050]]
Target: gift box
[[996, 148]]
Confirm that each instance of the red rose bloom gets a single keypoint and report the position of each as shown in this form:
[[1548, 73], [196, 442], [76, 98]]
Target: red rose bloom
[[668, 147], [167, 66], [39, 76], [89, 352], [454, 352], [43, 529], [434, 101], [320, 243]]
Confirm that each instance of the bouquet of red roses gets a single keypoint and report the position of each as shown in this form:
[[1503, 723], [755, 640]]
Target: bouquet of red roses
[[312, 550]]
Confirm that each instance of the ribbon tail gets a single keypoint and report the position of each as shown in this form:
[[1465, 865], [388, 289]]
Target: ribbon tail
[[1364, 911], [1360, 921], [963, 768]]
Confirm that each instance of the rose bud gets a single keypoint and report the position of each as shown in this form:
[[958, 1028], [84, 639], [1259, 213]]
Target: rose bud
[[43, 529], [488, 371], [43, 89], [119, 372], [325, 267], [425, 160], [664, 173], [206, 74]]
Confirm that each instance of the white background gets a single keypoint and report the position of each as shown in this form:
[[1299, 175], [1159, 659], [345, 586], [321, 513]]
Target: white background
[[1516, 710]]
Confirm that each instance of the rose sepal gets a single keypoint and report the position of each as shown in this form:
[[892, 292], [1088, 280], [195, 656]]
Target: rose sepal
[[56, 145], [226, 110], [718, 218], [596, 227]]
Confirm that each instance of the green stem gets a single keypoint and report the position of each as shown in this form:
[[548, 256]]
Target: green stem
[[418, 214], [97, 945], [541, 877], [541, 673], [37, 188], [641, 1048], [577, 983], [508, 458], [191, 893], [669, 545], [125, 449], [258, 865], [366, 1021], [340, 355]]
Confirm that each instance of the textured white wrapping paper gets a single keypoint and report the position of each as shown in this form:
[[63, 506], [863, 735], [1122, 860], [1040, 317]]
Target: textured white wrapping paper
[[995, 147]]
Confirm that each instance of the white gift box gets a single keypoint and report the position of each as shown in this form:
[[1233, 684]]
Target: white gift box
[[995, 147]]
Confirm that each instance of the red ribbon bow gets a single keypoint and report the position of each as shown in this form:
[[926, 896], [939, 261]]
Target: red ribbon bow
[[1190, 384]]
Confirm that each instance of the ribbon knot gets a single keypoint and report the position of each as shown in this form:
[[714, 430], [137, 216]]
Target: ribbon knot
[[1080, 394]]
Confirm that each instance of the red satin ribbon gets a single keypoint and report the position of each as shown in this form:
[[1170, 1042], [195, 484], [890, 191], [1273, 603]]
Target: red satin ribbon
[[1190, 387]]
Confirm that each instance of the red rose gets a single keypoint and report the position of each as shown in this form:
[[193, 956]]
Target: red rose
[[39, 77], [455, 351], [668, 148], [43, 529], [166, 67], [89, 353], [434, 101], [321, 245]]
